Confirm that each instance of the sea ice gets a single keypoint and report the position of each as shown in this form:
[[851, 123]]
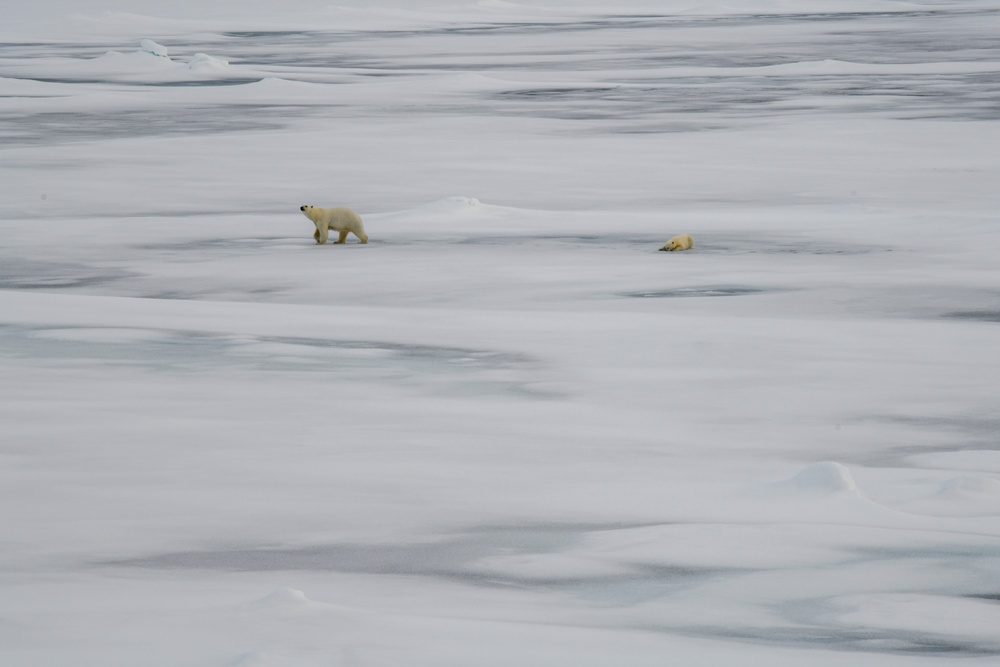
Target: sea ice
[[471, 441]]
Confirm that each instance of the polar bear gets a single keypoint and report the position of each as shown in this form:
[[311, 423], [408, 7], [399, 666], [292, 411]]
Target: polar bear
[[679, 242], [342, 220]]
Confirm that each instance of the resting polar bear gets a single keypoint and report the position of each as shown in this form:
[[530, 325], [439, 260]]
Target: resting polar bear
[[342, 220], [680, 242]]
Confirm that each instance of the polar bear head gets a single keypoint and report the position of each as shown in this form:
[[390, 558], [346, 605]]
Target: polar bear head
[[680, 242], [310, 212]]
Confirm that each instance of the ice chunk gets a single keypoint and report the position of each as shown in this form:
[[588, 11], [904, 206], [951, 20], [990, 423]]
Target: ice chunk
[[149, 46]]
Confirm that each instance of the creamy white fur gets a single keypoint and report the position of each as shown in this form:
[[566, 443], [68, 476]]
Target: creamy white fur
[[679, 242], [341, 220]]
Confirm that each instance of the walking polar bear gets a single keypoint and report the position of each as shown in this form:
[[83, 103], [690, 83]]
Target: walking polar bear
[[680, 242], [341, 220]]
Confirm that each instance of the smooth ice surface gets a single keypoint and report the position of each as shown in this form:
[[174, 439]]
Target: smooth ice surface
[[508, 430]]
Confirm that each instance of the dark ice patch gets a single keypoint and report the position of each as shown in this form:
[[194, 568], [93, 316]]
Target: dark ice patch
[[446, 370], [460, 557], [203, 83], [779, 244], [990, 597], [454, 355], [853, 639], [64, 127], [443, 557], [24, 274], [220, 347], [455, 557], [936, 434], [237, 245], [704, 291], [975, 315], [711, 243], [600, 240]]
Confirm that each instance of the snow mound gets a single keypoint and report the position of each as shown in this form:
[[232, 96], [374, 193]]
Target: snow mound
[[149, 46], [202, 62], [290, 602], [287, 599], [444, 210], [449, 204], [456, 216], [822, 479], [278, 84], [257, 659]]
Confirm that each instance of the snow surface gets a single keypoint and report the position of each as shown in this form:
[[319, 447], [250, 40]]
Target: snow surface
[[508, 430]]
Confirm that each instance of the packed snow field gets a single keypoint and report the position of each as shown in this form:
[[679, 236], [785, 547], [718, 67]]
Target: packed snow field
[[508, 430]]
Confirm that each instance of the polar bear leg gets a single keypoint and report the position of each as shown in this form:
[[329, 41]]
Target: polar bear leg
[[316, 235], [323, 232], [343, 237]]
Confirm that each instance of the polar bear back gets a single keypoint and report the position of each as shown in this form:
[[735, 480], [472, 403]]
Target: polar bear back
[[335, 218]]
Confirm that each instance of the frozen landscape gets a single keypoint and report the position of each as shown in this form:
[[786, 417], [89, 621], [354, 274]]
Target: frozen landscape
[[508, 431]]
